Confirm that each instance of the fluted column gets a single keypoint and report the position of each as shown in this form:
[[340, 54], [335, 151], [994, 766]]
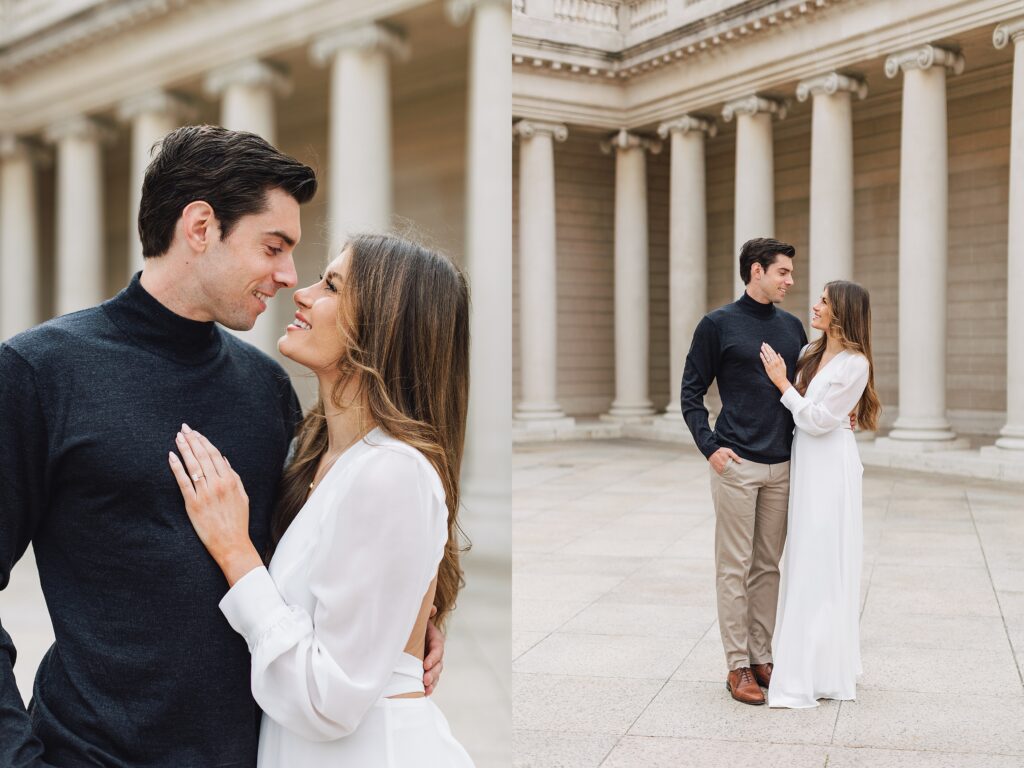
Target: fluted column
[[1011, 437], [247, 90], [359, 176], [19, 236], [152, 116], [923, 244], [755, 171], [79, 202], [488, 247], [538, 279], [687, 243], [831, 225], [632, 290]]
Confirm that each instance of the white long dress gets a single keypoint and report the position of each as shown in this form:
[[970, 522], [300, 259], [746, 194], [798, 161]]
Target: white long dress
[[816, 646], [328, 624]]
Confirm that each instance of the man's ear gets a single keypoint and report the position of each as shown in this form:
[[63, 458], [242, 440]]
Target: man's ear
[[199, 225]]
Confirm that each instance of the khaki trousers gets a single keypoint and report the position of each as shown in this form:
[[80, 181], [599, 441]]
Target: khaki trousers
[[750, 501]]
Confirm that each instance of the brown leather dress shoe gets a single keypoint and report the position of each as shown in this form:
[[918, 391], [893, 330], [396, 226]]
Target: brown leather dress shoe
[[763, 673], [743, 686]]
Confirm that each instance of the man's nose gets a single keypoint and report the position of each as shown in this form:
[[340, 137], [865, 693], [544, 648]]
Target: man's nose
[[287, 276]]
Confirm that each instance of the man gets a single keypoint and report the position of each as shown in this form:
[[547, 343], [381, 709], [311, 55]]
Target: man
[[748, 454], [145, 670]]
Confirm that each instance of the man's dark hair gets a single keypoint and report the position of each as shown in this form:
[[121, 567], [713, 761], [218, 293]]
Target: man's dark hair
[[230, 170], [762, 250]]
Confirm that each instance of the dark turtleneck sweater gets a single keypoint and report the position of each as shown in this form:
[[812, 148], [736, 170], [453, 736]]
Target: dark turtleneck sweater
[[727, 346], [145, 670]]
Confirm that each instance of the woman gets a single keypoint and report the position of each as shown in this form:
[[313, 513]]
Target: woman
[[364, 535], [817, 644]]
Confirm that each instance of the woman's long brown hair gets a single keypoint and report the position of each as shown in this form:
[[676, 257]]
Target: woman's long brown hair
[[850, 306], [406, 327]]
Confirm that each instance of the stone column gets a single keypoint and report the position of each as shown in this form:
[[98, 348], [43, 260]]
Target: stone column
[[831, 225], [359, 173], [538, 280], [19, 236], [632, 292], [152, 116], [1011, 437], [923, 243], [687, 244], [488, 257], [755, 171], [247, 90], [81, 277]]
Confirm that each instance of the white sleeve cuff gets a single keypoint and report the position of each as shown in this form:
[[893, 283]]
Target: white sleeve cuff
[[253, 605], [791, 398]]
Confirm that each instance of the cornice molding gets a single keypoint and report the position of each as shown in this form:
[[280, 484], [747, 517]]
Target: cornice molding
[[831, 84], [754, 105], [72, 35], [364, 37], [527, 129], [688, 124], [624, 139], [692, 40], [924, 57], [1010, 31]]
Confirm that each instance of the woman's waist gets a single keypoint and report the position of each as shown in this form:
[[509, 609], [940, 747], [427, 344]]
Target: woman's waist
[[406, 679]]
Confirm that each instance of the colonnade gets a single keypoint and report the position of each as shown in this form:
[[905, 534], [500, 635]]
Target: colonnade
[[358, 186], [922, 422]]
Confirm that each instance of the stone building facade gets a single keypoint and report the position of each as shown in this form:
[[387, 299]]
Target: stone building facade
[[885, 140]]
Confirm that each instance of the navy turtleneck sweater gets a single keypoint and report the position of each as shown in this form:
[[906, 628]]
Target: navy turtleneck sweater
[[145, 670], [727, 346]]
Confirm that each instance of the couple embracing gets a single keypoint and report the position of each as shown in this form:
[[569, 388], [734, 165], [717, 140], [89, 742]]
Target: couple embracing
[[783, 457], [190, 583]]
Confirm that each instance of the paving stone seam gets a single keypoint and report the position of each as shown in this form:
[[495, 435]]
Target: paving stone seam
[[1009, 638]]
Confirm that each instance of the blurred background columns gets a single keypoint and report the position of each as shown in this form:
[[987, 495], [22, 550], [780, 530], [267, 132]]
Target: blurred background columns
[[19, 235]]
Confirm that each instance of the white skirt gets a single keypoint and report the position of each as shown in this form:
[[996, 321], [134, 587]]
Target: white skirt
[[816, 646], [395, 733]]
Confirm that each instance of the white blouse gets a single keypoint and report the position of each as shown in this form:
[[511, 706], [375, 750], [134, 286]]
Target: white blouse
[[327, 625], [832, 394]]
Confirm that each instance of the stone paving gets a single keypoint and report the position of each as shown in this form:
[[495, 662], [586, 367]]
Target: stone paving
[[617, 657]]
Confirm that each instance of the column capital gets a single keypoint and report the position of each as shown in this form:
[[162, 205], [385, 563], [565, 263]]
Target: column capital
[[753, 105], [365, 37], [81, 127], [924, 57], [460, 11], [627, 140], [1008, 31], [688, 124], [13, 147], [830, 84], [159, 101], [527, 129], [252, 72]]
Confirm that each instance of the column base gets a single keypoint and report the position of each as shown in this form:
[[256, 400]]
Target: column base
[[863, 436], [629, 413], [538, 412], [922, 430], [672, 413], [922, 445], [1011, 438]]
